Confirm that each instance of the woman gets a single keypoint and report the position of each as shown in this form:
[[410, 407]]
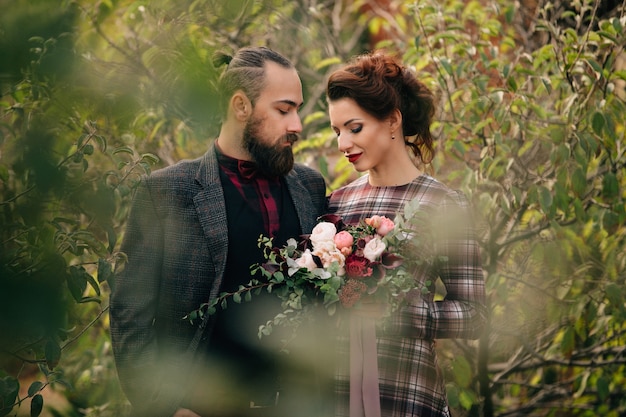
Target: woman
[[382, 115]]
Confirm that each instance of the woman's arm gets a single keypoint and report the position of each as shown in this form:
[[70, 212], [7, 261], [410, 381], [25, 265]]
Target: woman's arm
[[462, 313]]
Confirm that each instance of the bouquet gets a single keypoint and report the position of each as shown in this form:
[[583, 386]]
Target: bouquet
[[337, 265]]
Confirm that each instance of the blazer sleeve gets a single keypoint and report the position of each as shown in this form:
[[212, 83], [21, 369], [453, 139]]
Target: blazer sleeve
[[134, 299]]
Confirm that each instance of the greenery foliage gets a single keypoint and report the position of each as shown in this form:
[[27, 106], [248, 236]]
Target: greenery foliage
[[530, 124]]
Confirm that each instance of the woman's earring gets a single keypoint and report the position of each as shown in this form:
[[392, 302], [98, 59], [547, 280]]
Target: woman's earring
[[392, 137]]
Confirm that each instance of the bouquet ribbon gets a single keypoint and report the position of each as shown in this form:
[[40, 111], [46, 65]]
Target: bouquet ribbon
[[364, 393]]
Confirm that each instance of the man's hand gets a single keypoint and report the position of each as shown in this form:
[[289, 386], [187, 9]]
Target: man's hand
[[183, 412]]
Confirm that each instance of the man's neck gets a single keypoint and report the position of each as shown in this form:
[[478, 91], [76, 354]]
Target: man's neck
[[230, 143]]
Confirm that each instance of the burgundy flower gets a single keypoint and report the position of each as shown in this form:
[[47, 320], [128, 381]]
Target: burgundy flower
[[391, 260], [334, 219], [271, 267], [357, 267]]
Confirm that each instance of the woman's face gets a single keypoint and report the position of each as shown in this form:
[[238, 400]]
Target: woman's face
[[362, 138]]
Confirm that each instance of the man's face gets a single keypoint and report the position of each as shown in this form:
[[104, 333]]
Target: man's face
[[275, 124]]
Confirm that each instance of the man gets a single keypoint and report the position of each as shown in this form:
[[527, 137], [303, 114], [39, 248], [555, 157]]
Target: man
[[192, 233]]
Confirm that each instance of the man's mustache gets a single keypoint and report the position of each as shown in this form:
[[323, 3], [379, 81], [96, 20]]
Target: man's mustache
[[291, 138]]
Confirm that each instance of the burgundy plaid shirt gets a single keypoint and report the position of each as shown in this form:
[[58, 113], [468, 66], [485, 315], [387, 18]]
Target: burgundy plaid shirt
[[259, 191]]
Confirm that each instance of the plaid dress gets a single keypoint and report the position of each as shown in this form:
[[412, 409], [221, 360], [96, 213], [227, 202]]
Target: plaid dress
[[410, 381]]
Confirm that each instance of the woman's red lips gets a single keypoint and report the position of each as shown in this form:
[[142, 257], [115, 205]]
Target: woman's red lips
[[353, 157]]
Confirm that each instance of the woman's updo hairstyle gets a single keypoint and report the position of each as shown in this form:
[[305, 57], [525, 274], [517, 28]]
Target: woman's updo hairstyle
[[379, 85]]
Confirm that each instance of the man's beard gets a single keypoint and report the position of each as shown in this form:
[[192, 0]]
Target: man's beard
[[271, 160]]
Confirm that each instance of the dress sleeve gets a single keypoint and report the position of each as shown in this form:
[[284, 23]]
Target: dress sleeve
[[134, 300], [462, 312]]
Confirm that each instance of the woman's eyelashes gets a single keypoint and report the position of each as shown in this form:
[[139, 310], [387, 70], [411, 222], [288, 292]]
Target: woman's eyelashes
[[353, 130]]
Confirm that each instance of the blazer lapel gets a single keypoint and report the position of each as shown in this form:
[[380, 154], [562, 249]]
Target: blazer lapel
[[211, 211], [302, 201]]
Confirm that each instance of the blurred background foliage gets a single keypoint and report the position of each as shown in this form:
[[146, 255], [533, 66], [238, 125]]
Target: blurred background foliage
[[530, 124]]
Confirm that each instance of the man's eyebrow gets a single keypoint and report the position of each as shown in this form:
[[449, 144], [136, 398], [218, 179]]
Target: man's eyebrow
[[290, 103]]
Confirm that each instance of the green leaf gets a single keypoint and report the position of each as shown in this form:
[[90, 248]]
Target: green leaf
[[88, 149], [34, 388], [53, 353], [446, 65], [327, 62], [545, 199], [76, 282], [602, 385], [598, 122], [614, 295], [105, 270], [466, 398], [9, 389], [610, 185], [36, 405], [568, 342], [150, 158], [452, 392], [579, 182], [462, 372], [94, 284], [124, 149], [610, 221]]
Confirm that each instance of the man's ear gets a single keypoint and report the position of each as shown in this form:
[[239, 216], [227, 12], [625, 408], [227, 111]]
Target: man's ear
[[241, 106]]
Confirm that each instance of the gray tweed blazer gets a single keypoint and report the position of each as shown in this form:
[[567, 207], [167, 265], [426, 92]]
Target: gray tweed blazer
[[176, 241]]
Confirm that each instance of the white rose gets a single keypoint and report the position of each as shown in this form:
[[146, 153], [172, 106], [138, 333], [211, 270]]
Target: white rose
[[373, 249], [324, 246], [323, 232], [332, 256], [306, 260]]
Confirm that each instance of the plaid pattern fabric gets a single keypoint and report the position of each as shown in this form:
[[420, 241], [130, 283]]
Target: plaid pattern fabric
[[409, 379], [259, 191]]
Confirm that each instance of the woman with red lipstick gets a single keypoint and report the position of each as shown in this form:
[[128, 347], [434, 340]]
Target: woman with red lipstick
[[382, 114]]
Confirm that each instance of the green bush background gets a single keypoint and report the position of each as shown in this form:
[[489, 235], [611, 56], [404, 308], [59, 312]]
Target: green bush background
[[530, 124]]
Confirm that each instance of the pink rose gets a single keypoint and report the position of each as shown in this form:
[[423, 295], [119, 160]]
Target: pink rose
[[382, 224], [344, 240]]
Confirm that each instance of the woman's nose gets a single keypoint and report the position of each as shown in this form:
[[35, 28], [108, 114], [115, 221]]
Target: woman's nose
[[343, 143]]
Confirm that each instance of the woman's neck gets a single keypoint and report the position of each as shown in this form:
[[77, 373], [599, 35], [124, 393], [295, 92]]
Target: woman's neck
[[394, 174]]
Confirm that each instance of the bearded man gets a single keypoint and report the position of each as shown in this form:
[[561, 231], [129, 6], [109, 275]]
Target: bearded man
[[192, 234]]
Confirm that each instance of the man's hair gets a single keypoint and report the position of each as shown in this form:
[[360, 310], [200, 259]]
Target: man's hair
[[245, 71]]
